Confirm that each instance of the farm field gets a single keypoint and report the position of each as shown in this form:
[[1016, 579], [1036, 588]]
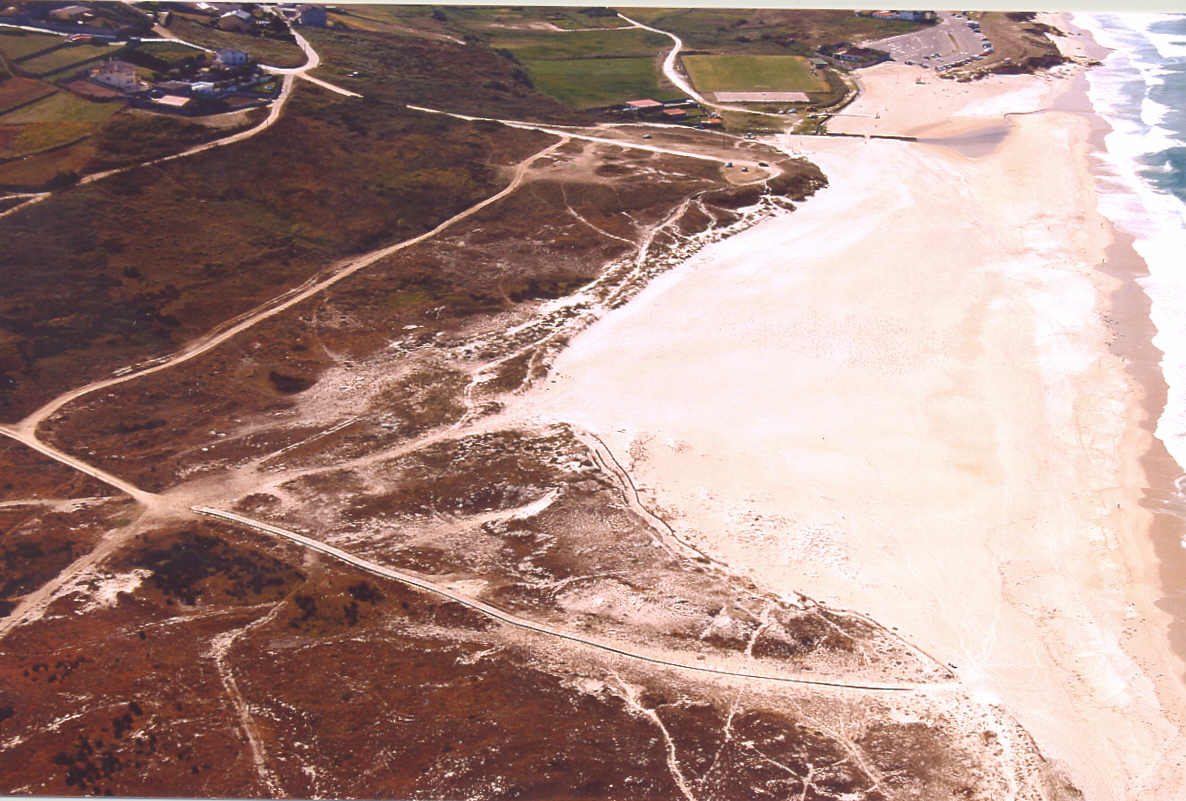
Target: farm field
[[15, 91], [753, 74], [767, 30], [585, 83], [531, 17], [582, 45], [53, 121], [168, 52], [16, 45], [67, 57]]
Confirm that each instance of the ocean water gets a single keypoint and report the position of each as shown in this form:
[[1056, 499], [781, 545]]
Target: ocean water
[[1141, 91]]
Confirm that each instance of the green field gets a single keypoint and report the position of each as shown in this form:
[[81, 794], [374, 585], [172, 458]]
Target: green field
[[56, 120], [753, 74], [566, 17], [169, 52], [18, 45], [61, 107], [582, 44], [68, 57], [589, 83], [767, 30]]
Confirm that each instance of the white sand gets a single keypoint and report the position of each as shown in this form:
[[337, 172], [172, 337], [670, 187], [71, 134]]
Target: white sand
[[899, 399]]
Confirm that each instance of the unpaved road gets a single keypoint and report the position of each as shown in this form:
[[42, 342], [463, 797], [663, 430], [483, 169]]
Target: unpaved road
[[539, 628], [28, 426]]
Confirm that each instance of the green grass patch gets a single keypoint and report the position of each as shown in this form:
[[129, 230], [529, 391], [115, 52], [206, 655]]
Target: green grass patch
[[753, 74], [57, 120], [582, 44], [16, 45], [62, 107], [590, 83], [68, 57], [484, 19], [171, 54], [767, 30]]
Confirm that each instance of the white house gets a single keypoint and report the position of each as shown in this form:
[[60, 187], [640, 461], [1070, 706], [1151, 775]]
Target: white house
[[118, 75], [230, 57]]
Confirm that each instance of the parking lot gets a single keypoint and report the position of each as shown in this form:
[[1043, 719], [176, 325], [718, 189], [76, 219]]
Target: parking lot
[[951, 42]]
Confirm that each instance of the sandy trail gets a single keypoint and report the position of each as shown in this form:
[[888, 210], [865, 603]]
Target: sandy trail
[[428, 585], [900, 399]]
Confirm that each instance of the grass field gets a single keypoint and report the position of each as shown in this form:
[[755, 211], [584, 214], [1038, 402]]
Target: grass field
[[581, 44], [481, 18], [169, 53], [61, 107], [589, 83], [54, 121], [18, 45], [15, 91], [767, 30], [67, 57], [753, 74]]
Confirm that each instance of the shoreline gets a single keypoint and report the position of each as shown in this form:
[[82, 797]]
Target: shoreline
[[1130, 305]]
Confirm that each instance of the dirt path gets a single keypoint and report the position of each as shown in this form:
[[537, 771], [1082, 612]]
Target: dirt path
[[29, 438], [540, 628], [25, 431], [760, 173]]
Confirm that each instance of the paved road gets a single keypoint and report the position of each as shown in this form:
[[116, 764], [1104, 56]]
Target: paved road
[[539, 628], [937, 47]]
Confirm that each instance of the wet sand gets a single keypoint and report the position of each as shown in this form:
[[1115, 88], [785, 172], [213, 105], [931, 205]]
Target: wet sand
[[913, 397]]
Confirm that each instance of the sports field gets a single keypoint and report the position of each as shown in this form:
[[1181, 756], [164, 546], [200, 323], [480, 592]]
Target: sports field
[[753, 74], [592, 82]]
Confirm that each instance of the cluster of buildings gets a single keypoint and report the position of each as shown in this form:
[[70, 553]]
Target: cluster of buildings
[[247, 18], [227, 75], [96, 19], [850, 55], [671, 111], [909, 16]]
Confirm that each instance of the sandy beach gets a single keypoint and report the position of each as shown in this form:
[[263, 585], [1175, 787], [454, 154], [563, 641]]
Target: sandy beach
[[905, 398]]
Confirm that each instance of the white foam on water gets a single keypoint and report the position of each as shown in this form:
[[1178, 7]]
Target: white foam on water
[[1157, 219]]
